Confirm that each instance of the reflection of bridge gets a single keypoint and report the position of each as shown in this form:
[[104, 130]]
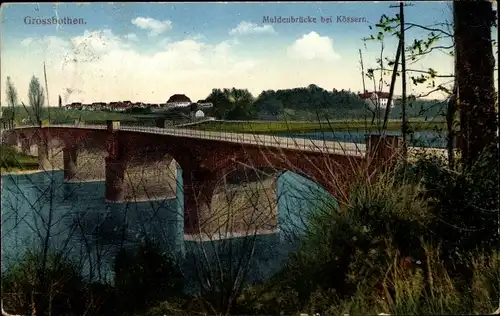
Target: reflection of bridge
[[205, 158]]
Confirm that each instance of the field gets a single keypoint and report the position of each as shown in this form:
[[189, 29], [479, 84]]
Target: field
[[282, 126], [62, 116]]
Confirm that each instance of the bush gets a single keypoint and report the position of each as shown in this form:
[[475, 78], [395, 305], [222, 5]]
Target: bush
[[350, 260], [145, 277], [464, 204], [356, 235], [27, 286]]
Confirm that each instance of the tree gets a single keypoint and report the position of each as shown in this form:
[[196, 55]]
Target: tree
[[475, 72], [232, 104], [242, 105], [220, 100], [270, 105], [439, 38], [11, 93], [36, 98]]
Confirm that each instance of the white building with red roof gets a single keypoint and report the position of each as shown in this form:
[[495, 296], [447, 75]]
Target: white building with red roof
[[376, 99]]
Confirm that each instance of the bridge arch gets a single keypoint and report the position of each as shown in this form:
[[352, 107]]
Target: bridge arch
[[248, 200]]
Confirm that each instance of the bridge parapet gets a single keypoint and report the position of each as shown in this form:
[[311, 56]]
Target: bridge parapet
[[382, 148]]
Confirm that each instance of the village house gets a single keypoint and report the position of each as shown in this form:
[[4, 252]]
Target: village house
[[178, 100], [98, 106], [204, 104], [74, 106], [376, 99]]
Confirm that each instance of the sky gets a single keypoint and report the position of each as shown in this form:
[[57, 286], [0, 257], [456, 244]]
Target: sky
[[146, 52]]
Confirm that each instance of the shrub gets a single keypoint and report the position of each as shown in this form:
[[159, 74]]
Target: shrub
[[59, 288], [348, 244], [464, 204], [145, 277], [349, 258]]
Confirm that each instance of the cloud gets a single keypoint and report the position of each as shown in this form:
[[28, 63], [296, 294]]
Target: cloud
[[101, 66], [131, 37], [246, 28], [154, 26], [27, 41], [312, 46]]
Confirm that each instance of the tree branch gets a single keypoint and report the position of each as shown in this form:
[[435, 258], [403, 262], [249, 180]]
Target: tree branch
[[418, 71], [431, 49], [430, 29]]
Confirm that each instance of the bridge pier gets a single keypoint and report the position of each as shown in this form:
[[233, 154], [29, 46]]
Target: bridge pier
[[199, 186], [383, 149], [70, 162], [115, 172], [25, 146], [43, 156], [161, 123]]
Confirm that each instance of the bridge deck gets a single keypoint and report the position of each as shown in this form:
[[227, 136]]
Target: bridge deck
[[302, 144]]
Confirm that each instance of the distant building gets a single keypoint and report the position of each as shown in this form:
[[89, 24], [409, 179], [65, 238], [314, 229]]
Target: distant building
[[374, 99], [74, 106], [98, 106], [199, 114], [178, 100], [204, 104]]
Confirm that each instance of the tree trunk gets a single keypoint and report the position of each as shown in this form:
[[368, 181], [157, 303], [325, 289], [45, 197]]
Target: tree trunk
[[475, 69]]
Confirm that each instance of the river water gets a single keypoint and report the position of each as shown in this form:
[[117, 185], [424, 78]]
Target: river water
[[83, 224], [93, 230]]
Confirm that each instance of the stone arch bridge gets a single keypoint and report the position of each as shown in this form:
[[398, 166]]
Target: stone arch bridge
[[205, 158]]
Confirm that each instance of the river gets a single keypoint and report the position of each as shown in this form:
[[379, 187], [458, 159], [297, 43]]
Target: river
[[84, 223]]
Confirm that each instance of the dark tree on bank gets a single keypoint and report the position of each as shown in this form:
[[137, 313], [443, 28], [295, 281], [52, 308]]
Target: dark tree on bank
[[11, 93], [36, 97], [475, 71]]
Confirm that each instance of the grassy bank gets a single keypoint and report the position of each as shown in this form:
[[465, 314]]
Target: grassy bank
[[13, 161], [282, 126]]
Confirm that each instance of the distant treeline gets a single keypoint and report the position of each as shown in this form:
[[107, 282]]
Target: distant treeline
[[309, 103], [299, 104]]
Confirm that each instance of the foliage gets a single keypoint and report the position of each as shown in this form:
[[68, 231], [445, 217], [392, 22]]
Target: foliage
[[145, 277], [22, 285], [351, 258], [11, 159], [464, 203], [11, 94], [232, 104], [36, 98], [437, 38], [310, 103]]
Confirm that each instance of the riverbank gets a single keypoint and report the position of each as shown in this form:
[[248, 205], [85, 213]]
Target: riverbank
[[18, 172], [14, 162], [261, 127]]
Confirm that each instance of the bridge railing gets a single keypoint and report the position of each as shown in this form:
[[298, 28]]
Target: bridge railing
[[303, 144], [259, 139]]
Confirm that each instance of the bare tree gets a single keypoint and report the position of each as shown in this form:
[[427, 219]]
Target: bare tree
[[11, 93], [36, 99]]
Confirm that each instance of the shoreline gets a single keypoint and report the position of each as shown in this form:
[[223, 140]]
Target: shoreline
[[25, 172], [204, 237]]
